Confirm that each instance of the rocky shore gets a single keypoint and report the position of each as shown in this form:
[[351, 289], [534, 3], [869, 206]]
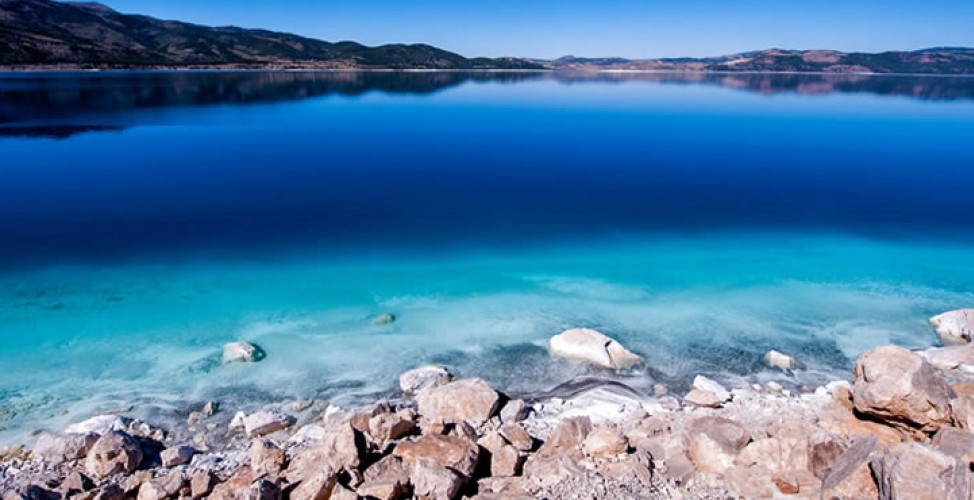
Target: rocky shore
[[899, 428]]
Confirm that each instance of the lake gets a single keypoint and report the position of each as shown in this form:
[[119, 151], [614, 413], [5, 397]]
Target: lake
[[147, 218]]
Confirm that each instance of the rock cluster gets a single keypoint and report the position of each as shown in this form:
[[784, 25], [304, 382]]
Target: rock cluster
[[900, 430]]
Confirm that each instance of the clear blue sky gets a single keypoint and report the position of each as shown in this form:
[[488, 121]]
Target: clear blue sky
[[629, 28]]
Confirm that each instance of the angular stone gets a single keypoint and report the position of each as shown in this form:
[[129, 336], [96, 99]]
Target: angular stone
[[709, 455], [958, 443], [266, 458], [341, 448], [176, 455], [99, 424], [514, 411], [517, 436], [505, 461], [912, 470], [962, 411], [954, 327], [567, 438], [389, 467], [547, 471], [76, 482], [432, 481], [823, 455], [163, 487], [464, 400], [381, 490], [453, 452], [703, 399], [390, 426], [727, 433], [242, 351], [202, 483], [113, 453], [900, 387], [265, 422], [605, 442], [60, 448], [705, 384], [593, 347], [850, 476], [318, 486], [423, 378]]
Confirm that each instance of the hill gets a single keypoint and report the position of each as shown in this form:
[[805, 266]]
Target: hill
[[939, 60], [90, 35]]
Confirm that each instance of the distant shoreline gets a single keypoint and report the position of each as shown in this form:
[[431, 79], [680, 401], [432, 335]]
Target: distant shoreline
[[220, 69]]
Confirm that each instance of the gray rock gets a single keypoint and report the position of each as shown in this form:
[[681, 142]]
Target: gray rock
[[242, 351], [177, 455]]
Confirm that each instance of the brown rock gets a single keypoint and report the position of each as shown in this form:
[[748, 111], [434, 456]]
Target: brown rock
[[913, 470], [546, 471], [638, 465], [390, 426], [962, 409], [605, 442], [822, 455], [750, 482], [900, 387], [958, 443], [703, 399], [709, 455], [113, 453], [517, 436], [840, 421], [850, 476], [318, 486], [202, 484], [453, 452], [728, 433], [266, 458], [668, 452], [132, 483], [109, 492], [464, 400], [163, 487], [341, 447], [265, 422], [567, 438], [263, 489], [236, 487], [786, 484], [505, 461], [381, 490], [434, 482], [389, 467], [514, 411], [76, 482]]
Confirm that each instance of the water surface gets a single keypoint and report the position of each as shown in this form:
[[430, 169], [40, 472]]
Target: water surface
[[701, 219]]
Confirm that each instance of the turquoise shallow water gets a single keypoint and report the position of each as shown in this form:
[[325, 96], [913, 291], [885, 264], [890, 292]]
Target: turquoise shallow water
[[83, 339], [147, 218]]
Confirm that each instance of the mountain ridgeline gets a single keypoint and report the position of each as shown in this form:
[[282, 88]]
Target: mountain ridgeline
[[44, 33], [938, 60]]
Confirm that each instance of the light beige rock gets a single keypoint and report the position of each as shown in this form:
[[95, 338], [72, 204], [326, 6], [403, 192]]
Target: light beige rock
[[962, 411], [912, 470], [381, 490], [74, 483], [900, 387], [514, 411], [780, 360], [384, 319], [954, 327], [423, 378], [453, 452], [262, 423], [593, 347], [176, 455], [850, 475], [430, 480], [958, 443], [60, 448], [955, 358], [705, 384], [242, 351], [704, 399], [505, 461], [605, 442], [708, 455], [464, 400], [546, 471], [113, 453], [341, 447]]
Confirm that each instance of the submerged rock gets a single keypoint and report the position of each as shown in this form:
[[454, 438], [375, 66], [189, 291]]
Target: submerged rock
[[954, 327], [780, 360], [900, 387], [591, 346], [423, 378], [265, 422], [384, 319], [242, 351]]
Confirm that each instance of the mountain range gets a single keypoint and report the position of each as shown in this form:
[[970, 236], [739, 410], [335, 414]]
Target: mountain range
[[52, 34]]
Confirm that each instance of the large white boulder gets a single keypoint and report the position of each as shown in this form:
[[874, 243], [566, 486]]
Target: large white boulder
[[591, 346], [954, 327], [242, 351], [423, 378]]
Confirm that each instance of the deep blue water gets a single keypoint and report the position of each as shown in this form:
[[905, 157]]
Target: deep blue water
[[147, 218]]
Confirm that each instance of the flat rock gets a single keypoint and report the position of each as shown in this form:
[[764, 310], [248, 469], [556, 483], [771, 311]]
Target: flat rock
[[318, 486], [100, 424], [954, 327], [470, 400], [952, 358], [242, 351], [593, 347], [265, 422], [113, 453], [59, 448], [702, 398], [900, 387], [177, 455]]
